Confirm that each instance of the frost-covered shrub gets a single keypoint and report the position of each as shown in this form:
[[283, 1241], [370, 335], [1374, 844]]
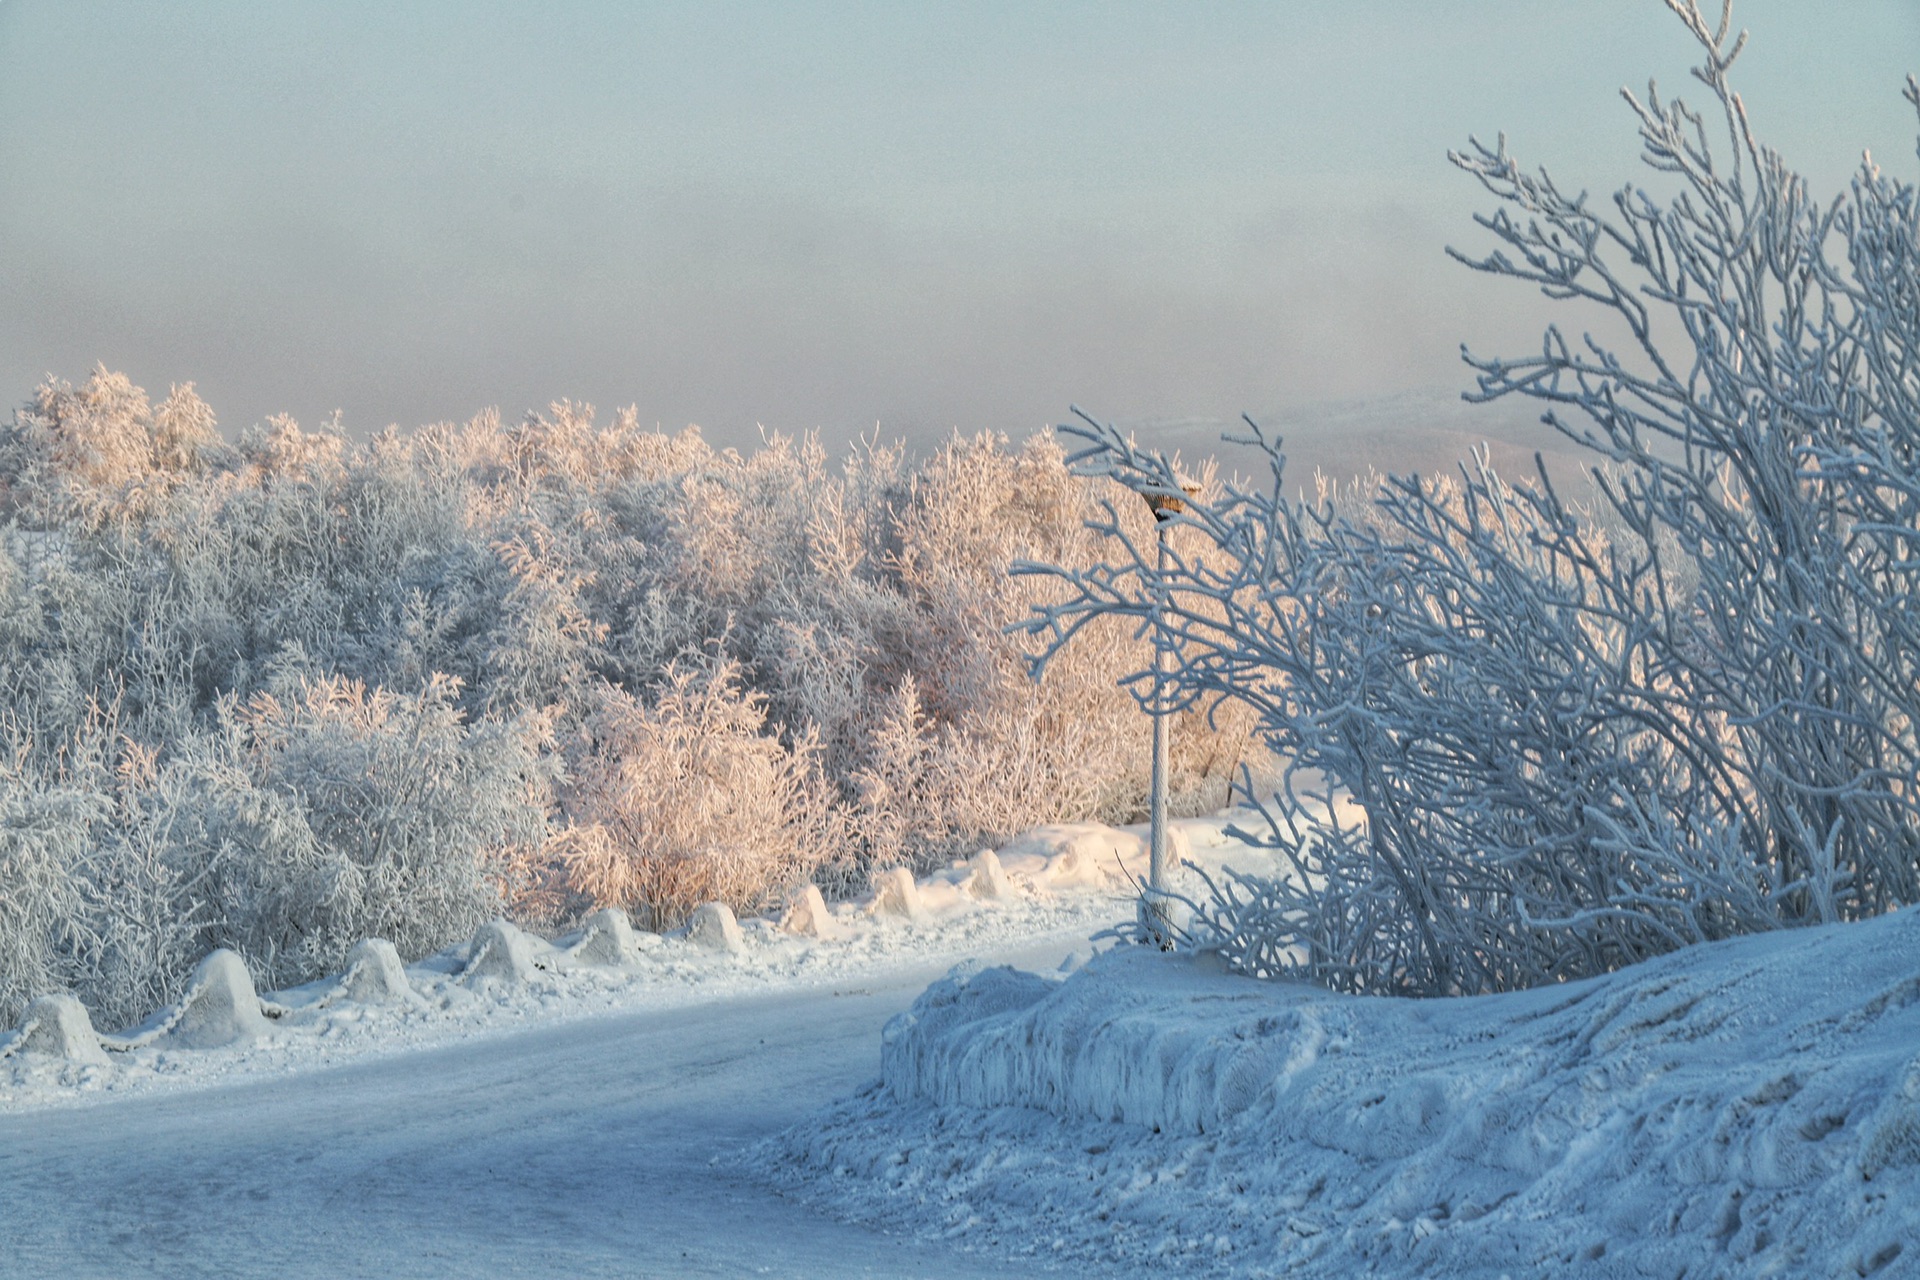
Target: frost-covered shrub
[[370, 813], [46, 826], [685, 800], [1009, 753], [308, 819], [348, 678], [1578, 741], [100, 451], [97, 901]]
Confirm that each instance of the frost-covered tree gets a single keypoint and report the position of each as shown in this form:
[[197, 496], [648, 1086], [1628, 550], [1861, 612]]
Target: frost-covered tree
[[281, 694], [1579, 739]]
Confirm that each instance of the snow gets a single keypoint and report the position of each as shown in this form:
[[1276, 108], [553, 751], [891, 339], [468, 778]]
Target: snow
[[1085, 854], [505, 979], [987, 877], [56, 1026], [896, 895], [608, 938], [570, 1147], [1747, 1108], [712, 926], [374, 975], [808, 915], [219, 1009], [578, 1120], [501, 952], [614, 1102]]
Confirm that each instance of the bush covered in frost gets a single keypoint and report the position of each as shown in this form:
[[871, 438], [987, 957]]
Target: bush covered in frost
[[286, 692], [689, 800], [1581, 738]]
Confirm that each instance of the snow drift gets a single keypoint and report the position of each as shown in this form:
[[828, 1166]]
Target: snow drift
[[1749, 1107]]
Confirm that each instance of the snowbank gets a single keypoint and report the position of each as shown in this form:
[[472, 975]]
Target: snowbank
[[1746, 1108]]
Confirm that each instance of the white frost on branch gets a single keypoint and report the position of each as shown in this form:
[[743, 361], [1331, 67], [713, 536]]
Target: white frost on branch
[[1583, 738]]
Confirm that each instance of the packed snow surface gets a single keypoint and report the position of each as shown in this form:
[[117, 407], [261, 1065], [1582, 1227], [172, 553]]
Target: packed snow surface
[[1747, 1108]]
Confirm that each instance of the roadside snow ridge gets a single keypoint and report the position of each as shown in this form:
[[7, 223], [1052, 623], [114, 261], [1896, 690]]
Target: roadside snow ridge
[[1742, 1108]]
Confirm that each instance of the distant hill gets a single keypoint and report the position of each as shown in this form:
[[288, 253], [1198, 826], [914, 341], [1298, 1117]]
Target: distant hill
[[1423, 431]]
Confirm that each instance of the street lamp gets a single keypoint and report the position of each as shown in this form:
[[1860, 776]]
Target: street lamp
[[1155, 916]]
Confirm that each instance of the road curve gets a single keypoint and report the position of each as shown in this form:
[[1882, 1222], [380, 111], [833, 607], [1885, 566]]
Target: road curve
[[585, 1148]]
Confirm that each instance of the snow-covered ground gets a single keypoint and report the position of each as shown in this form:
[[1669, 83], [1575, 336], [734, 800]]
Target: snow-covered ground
[[570, 1108], [564, 1119], [1055, 884], [1748, 1108]]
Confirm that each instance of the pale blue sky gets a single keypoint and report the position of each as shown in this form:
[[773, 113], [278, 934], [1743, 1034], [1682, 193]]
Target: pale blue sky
[[824, 215]]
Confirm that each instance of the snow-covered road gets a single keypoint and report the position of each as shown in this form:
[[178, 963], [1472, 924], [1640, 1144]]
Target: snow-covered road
[[581, 1149], [1749, 1107], [580, 1118]]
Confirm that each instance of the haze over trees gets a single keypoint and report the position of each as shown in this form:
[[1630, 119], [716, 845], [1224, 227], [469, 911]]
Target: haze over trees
[[290, 691]]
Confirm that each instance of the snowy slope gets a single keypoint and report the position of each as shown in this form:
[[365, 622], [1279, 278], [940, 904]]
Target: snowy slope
[[1749, 1108]]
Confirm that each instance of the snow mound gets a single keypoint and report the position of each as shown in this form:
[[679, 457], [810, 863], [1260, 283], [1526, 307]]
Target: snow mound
[[56, 1026], [374, 975], [1749, 1107], [220, 1008], [987, 878], [502, 953], [608, 938], [1076, 855], [712, 926], [807, 915], [1082, 1049], [896, 895]]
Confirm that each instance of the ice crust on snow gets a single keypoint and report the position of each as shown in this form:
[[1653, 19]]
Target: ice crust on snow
[[1746, 1108], [1078, 1050]]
